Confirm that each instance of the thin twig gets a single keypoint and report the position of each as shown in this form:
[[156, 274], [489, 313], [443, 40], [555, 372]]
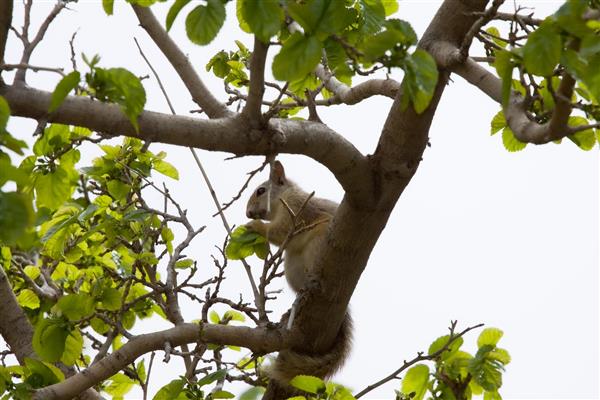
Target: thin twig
[[420, 357]]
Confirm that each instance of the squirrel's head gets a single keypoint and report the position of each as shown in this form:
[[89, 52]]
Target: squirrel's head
[[266, 195]]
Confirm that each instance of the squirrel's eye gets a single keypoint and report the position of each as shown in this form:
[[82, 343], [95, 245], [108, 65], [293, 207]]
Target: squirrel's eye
[[260, 191]]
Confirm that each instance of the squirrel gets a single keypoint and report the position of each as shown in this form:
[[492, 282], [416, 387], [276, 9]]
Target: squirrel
[[302, 235]]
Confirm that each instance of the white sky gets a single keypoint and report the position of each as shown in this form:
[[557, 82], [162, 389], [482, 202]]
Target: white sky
[[480, 234]]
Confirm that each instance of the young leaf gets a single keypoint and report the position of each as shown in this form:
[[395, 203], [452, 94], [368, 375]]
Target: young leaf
[[511, 143], [48, 372], [298, 56], [28, 298], [415, 381], [204, 22], [210, 378], [73, 348], [420, 79], [263, 17], [174, 11], [49, 339], [498, 122], [489, 336], [63, 88], [76, 306], [16, 214], [310, 384], [586, 139], [542, 51], [108, 6], [166, 168], [170, 391]]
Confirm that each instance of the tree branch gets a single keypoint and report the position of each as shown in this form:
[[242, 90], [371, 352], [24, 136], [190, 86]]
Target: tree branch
[[352, 95], [6, 9], [30, 46], [524, 128], [231, 134], [14, 325], [257, 83], [197, 89], [259, 340]]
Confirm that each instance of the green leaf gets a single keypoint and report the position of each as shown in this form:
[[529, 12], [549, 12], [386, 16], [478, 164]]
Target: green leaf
[[500, 355], [511, 143], [210, 378], [165, 168], [390, 6], [53, 189], [120, 385], [222, 394], [504, 66], [421, 75], [118, 85], [48, 373], [440, 342], [373, 14], [170, 391], [495, 34], [586, 139], [254, 393], [28, 298], [54, 137], [493, 395], [415, 381], [542, 51], [73, 348], [76, 306], [486, 371], [108, 5], [320, 18], [117, 189], [111, 299], [49, 339], [4, 114], [204, 22], [174, 11], [183, 264], [141, 370], [234, 316], [16, 214], [498, 122], [310, 384], [489, 336], [299, 55], [214, 317], [263, 17], [243, 243], [63, 88]]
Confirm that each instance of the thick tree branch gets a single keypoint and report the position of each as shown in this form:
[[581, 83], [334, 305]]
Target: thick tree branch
[[524, 129], [198, 90], [14, 325], [352, 95], [6, 9], [231, 134], [257, 83], [357, 226], [259, 340]]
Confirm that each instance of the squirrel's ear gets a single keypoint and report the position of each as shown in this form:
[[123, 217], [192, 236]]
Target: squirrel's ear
[[278, 173]]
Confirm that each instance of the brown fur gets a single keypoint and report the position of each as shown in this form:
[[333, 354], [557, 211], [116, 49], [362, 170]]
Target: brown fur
[[300, 254]]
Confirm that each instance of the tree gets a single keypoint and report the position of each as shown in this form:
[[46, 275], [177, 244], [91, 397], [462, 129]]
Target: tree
[[82, 251]]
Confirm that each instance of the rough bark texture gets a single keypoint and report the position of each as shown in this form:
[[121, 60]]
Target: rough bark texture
[[372, 184]]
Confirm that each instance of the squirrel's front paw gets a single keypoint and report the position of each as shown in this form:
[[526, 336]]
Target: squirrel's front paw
[[256, 225]]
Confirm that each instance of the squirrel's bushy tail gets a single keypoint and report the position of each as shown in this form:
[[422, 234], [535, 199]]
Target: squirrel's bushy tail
[[290, 363]]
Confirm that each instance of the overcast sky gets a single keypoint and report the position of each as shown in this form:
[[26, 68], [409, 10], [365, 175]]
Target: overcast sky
[[479, 235]]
